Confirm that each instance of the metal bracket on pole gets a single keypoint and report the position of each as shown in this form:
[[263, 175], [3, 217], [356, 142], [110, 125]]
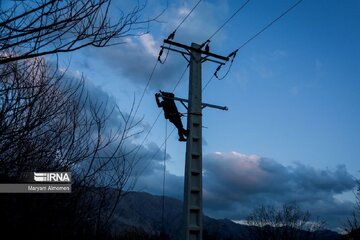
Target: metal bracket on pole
[[204, 105], [190, 48]]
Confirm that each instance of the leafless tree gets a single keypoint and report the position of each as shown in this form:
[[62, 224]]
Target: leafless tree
[[352, 224], [34, 28], [50, 123], [287, 223]]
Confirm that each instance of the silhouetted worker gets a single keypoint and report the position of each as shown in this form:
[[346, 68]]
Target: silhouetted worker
[[171, 112]]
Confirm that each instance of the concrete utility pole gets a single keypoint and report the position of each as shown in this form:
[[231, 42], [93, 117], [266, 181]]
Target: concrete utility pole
[[193, 204]]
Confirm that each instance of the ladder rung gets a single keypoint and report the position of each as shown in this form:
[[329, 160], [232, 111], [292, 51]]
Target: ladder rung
[[195, 155], [196, 124], [195, 190], [194, 208], [195, 172], [194, 228]]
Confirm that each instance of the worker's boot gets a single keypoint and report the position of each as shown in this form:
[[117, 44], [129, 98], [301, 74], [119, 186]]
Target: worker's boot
[[182, 139], [186, 133]]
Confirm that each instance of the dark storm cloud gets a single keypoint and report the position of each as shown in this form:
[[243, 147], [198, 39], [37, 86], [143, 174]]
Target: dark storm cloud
[[136, 58], [149, 159], [153, 184], [235, 183], [146, 158], [149, 173]]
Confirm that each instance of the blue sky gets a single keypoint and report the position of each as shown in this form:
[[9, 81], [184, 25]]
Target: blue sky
[[293, 95]]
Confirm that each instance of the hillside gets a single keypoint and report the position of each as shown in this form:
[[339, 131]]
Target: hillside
[[142, 211]]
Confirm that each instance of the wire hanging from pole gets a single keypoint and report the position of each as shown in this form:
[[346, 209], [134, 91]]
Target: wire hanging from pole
[[172, 35], [181, 77], [144, 91], [228, 20], [163, 184], [207, 83], [154, 155], [233, 54], [187, 16], [155, 121], [270, 24]]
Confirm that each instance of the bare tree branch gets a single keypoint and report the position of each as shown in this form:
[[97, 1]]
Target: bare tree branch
[[287, 223], [35, 28]]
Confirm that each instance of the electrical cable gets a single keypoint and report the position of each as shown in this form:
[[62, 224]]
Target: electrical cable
[[158, 150], [157, 118], [244, 44], [271, 23], [215, 74], [187, 16], [163, 183], [207, 83], [181, 77], [172, 35], [144, 91], [249, 40], [228, 20], [159, 60]]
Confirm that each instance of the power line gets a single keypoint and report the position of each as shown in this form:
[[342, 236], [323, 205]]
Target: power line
[[228, 20], [244, 44], [187, 15], [269, 25], [181, 77], [154, 155], [159, 60], [172, 131], [163, 183], [144, 91], [233, 54], [172, 35], [207, 83], [157, 118]]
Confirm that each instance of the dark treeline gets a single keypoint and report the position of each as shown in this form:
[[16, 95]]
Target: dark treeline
[[50, 123]]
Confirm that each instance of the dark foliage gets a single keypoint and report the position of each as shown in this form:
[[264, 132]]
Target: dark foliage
[[286, 223], [352, 225], [48, 123]]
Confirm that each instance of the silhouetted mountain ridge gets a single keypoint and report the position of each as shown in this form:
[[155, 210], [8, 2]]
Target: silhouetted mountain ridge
[[143, 211]]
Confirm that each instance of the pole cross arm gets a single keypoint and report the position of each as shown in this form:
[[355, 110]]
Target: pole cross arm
[[182, 100], [216, 56]]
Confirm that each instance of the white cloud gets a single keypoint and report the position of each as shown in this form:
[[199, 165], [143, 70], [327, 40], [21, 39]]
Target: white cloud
[[183, 11], [150, 45]]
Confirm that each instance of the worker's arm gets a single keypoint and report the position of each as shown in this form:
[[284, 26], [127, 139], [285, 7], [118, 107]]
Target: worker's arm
[[157, 95]]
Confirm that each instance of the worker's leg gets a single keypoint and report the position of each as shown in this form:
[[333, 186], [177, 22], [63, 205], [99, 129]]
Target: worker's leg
[[178, 124]]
